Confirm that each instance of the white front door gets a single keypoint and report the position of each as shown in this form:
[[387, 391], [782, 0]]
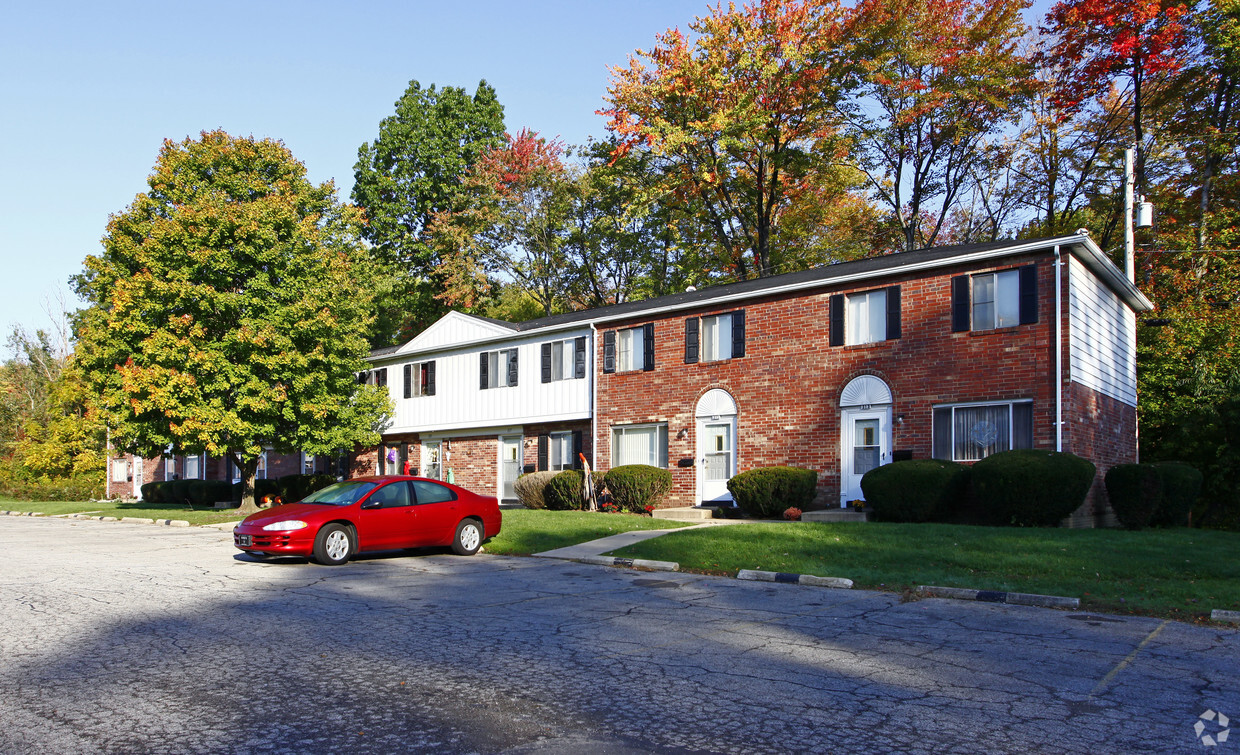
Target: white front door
[[865, 443], [716, 458], [509, 466], [137, 477], [432, 466]]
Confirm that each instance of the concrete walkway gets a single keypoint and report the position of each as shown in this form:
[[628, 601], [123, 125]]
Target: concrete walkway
[[613, 542]]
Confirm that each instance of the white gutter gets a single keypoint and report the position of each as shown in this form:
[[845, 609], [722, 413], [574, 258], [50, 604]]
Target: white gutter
[[593, 398], [1058, 350]]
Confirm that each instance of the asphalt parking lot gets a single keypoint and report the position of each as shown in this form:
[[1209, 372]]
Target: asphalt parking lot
[[132, 638]]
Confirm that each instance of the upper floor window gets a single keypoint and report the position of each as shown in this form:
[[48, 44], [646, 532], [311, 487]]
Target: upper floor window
[[969, 432], [1000, 299], [564, 360], [419, 379], [497, 368], [715, 337], [865, 317], [373, 377], [629, 349]]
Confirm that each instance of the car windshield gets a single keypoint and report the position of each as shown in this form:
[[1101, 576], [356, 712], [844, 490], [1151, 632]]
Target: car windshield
[[340, 493]]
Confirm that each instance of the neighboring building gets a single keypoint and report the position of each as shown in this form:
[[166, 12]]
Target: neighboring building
[[953, 352]]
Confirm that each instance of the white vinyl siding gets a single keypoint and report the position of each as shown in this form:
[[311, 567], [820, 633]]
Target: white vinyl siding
[[866, 318], [639, 444], [630, 349], [716, 338], [1102, 340]]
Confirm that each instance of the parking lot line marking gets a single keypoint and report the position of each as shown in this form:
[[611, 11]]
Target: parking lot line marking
[[1127, 659]]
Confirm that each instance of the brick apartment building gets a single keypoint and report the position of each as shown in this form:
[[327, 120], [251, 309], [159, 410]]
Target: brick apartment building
[[953, 352]]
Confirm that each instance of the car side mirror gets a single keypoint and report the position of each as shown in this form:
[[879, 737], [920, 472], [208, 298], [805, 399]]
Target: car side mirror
[[372, 504]]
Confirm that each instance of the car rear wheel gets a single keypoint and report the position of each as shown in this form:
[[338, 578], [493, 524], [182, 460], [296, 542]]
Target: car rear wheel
[[468, 537], [333, 545]]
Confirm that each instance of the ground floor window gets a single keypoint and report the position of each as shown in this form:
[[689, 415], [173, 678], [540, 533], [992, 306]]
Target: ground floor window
[[639, 444], [969, 432], [560, 451], [193, 467]]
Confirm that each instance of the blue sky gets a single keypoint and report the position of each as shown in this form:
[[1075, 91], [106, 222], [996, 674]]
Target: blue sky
[[90, 90]]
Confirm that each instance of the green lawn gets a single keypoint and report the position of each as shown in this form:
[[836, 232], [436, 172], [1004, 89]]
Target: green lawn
[[1180, 573], [526, 531], [116, 509]]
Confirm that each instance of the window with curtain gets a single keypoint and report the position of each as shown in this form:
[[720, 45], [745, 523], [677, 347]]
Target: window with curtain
[[639, 444], [866, 318], [974, 431]]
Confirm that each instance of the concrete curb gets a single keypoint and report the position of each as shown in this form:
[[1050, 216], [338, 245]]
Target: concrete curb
[[639, 563], [1219, 614], [991, 596], [795, 579], [22, 513]]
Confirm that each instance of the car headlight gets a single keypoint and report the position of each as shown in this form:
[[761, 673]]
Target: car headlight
[[291, 524]]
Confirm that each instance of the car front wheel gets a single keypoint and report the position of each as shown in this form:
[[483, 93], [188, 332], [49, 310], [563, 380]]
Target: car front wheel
[[468, 537], [333, 545]]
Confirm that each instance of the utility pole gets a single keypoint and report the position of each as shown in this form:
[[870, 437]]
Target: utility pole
[[1130, 255]]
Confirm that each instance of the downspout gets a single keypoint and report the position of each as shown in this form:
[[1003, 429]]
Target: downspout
[[593, 397], [1058, 350]]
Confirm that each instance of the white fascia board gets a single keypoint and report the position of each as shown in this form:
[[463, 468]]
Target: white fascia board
[[517, 335], [473, 428], [1094, 259]]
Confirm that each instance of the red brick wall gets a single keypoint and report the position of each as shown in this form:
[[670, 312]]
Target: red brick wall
[[1103, 430], [787, 386]]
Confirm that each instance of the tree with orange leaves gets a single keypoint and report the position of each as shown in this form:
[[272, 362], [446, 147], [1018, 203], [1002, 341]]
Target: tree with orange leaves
[[741, 114]]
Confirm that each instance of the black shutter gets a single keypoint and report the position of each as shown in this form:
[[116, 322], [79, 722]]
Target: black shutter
[[546, 363], [961, 309], [943, 433], [691, 340], [609, 351], [483, 381], [836, 337], [579, 357], [648, 344], [543, 442], [361, 378], [409, 381], [576, 449], [893, 312], [738, 333], [430, 378], [1028, 295], [512, 368]]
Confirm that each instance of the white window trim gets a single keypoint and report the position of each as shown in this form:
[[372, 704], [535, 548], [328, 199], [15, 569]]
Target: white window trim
[[564, 442], [497, 369], [636, 351], [567, 363], [661, 442], [1009, 302], [972, 405], [854, 333], [718, 347]]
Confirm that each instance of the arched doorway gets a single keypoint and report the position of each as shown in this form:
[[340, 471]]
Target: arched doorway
[[865, 432], [716, 446]]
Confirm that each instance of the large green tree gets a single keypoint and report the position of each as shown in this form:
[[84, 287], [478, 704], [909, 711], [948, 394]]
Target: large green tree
[[411, 172], [229, 309]]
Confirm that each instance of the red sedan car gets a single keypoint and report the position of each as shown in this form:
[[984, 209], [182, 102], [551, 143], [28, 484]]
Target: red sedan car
[[372, 514]]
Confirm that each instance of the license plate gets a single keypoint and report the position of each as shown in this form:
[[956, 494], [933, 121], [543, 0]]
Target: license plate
[[244, 540]]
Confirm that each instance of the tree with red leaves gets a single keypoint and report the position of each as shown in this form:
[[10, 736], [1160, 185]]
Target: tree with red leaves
[[1101, 41]]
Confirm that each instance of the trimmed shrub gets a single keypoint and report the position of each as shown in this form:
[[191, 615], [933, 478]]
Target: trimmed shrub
[[207, 493], [563, 490], [531, 489], [766, 492], [295, 487], [1181, 484], [1030, 487], [1135, 490], [82, 488], [152, 492], [638, 487], [177, 491], [918, 490]]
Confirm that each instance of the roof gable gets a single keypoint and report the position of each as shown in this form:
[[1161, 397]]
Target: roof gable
[[455, 328]]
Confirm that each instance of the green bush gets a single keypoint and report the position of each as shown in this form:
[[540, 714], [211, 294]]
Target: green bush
[[207, 493], [563, 489], [177, 491], [637, 487], [766, 492], [1030, 487], [531, 489], [295, 487], [1181, 484], [152, 492], [919, 490], [1135, 490], [81, 488]]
